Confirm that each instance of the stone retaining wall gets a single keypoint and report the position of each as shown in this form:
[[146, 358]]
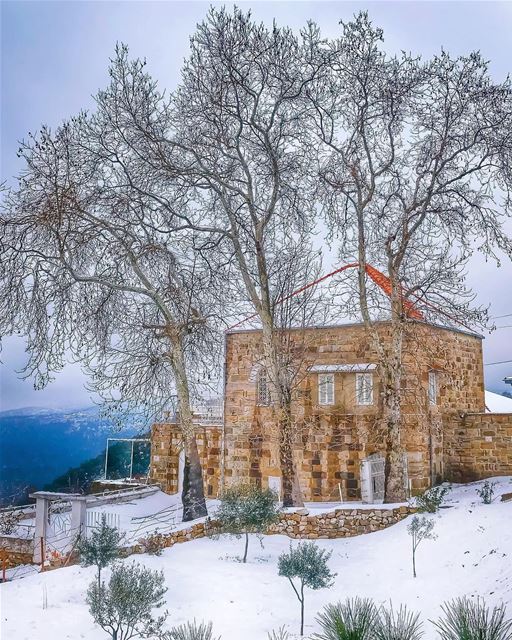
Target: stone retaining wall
[[16, 551], [341, 523], [477, 446]]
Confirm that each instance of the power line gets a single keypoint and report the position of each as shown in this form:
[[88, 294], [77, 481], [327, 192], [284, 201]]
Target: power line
[[505, 326], [507, 315], [488, 364]]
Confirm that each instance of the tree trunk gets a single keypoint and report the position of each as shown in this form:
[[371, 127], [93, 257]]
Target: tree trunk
[[302, 610], [194, 503], [394, 483], [246, 546], [292, 495]]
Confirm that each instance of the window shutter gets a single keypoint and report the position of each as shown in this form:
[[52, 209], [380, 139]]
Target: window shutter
[[364, 388], [326, 388]]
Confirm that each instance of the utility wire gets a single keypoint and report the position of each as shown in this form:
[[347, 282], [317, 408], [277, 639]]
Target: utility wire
[[488, 364], [507, 315]]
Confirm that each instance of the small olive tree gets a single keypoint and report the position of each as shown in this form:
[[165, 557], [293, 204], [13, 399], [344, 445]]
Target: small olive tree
[[246, 509], [101, 548], [419, 529], [308, 564], [124, 608]]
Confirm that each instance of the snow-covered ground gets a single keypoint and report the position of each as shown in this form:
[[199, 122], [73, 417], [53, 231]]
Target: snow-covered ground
[[471, 555], [496, 403]]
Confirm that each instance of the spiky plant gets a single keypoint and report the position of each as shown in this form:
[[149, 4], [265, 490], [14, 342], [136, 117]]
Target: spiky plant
[[191, 631], [466, 619], [354, 619], [397, 625], [278, 634]]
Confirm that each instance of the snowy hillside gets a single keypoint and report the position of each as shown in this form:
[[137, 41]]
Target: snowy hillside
[[40, 444], [471, 555]]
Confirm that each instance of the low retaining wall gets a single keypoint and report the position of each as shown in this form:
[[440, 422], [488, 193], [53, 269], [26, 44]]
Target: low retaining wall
[[16, 551], [477, 446], [341, 523]]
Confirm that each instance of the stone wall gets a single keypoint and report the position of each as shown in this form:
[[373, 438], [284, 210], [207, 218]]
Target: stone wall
[[341, 523], [16, 551], [478, 445], [331, 441], [166, 446]]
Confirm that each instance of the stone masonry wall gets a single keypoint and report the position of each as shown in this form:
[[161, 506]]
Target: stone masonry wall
[[341, 523], [477, 446], [166, 445], [16, 551], [331, 441]]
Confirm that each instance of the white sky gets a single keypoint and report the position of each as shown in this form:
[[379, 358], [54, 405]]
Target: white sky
[[54, 57]]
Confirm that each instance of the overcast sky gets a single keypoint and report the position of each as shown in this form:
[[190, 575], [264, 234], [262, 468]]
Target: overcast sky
[[54, 57]]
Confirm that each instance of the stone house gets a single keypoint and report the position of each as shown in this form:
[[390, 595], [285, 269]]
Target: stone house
[[337, 412]]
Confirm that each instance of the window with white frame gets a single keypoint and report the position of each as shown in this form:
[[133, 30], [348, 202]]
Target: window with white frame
[[364, 388], [326, 388], [432, 387], [263, 397]]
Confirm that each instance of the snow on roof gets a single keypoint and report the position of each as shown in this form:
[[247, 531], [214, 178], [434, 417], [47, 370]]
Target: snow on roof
[[496, 403]]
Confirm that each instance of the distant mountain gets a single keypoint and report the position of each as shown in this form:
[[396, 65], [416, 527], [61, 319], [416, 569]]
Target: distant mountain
[[37, 445]]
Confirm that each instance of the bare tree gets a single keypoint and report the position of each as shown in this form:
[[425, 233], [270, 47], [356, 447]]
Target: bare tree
[[242, 129], [95, 266], [415, 176]]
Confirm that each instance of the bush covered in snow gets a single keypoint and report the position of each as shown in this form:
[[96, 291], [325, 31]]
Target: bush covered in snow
[[354, 619], [246, 509], [431, 499], [9, 520], [466, 619], [191, 631], [123, 609], [308, 564], [397, 625]]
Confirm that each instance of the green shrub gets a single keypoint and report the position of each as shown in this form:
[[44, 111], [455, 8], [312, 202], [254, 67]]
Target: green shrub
[[486, 492], [246, 509], [123, 609], [191, 631], [354, 619], [397, 625], [466, 619], [431, 499], [100, 548]]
